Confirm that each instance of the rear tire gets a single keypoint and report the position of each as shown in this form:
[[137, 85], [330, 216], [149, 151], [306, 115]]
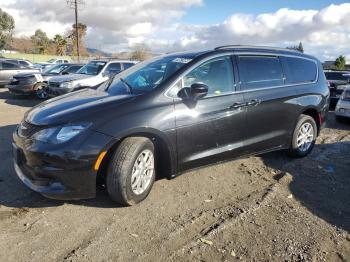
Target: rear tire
[[131, 172], [304, 137]]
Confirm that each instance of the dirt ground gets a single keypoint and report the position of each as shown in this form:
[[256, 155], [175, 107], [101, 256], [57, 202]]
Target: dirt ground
[[266, 208]]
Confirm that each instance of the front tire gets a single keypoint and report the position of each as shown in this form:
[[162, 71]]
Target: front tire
[[304, 137], [41, 91], [131, 172]]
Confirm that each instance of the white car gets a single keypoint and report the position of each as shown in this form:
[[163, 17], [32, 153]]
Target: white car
[[54, 61], [342, 110], [92, 74]]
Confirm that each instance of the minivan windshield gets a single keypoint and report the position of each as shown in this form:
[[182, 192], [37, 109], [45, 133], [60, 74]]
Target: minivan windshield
[[147, 75], [92, 68]]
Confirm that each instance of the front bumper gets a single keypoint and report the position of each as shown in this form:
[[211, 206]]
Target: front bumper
[[64, 171], [343, 108], [25, 89]]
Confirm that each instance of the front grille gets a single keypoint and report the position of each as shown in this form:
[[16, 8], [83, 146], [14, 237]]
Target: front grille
[[54, 84], [26, 129]]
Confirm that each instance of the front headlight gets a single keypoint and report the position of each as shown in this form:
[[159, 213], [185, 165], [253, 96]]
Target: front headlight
[[58, 135], [67, 85]]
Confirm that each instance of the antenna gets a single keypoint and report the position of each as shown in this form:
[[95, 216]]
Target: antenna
[[76, 4]]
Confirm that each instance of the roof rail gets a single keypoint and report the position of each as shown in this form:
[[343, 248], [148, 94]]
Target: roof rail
[[256, 47]]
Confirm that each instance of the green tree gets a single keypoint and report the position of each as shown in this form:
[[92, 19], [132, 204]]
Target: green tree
[[299, 47], [60, 45], [41, 42], [340, 63], [7, 24]]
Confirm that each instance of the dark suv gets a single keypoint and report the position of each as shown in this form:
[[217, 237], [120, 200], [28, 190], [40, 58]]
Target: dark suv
[[170, 114], [338, 82]]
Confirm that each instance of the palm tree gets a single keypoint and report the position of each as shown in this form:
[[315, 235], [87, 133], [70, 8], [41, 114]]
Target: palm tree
[[60, 44]]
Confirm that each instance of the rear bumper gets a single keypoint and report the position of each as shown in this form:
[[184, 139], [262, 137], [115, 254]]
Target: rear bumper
[[63, 172], [21, 89], [343, 108]]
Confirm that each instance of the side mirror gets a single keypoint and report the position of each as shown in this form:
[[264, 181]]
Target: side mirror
[[65, 73], [198, 91], [195, 92]]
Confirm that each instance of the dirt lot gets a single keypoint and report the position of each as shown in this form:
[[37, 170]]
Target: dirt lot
[[266, 208]]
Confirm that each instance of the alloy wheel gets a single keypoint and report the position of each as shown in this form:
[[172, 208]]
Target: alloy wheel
[[142, 172], [41, 92], [305, 137]]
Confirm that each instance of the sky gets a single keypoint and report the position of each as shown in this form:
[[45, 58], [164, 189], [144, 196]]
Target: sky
[[174, 25]]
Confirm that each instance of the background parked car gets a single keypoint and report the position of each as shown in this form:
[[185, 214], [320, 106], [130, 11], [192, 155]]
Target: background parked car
[[342, 110], [21, 62], [92, 74], [30, 83], [9, 68], [45, 65], [338, 82]]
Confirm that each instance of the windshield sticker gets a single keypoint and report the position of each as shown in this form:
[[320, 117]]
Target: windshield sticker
[[182, 60]]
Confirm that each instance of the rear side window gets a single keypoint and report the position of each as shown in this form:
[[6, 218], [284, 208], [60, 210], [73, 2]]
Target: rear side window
[[127, 65], [24, 63], [300, 70], [113, 68], [8, 66], [260, 72]]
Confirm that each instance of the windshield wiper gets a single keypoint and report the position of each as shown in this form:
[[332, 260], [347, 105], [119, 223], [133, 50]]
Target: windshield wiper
[[127, 85]]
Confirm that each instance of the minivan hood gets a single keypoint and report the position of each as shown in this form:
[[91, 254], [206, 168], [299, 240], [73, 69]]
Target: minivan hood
[[77, 106], [71, 77]]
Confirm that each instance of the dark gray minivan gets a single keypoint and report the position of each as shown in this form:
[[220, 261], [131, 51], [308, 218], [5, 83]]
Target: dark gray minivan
[[170, 114]]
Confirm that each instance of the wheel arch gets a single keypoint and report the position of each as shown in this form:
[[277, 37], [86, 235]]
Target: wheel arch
[[314, 113], [165, 156]]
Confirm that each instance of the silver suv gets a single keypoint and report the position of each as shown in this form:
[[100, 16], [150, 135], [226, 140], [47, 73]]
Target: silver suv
[[92, 74], [9, 68]]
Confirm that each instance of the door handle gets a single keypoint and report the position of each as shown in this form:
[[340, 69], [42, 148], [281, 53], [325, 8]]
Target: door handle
[[237, 105], [254, 102]]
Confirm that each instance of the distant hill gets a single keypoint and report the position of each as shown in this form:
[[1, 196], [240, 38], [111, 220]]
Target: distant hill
[[97, 52]]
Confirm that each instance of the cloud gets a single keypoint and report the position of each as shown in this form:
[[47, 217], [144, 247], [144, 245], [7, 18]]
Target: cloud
[[108, 21], [325, 33], [117, 25]]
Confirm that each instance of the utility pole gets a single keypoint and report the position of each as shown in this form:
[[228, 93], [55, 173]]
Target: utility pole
[[76, 4], [76, 28]]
